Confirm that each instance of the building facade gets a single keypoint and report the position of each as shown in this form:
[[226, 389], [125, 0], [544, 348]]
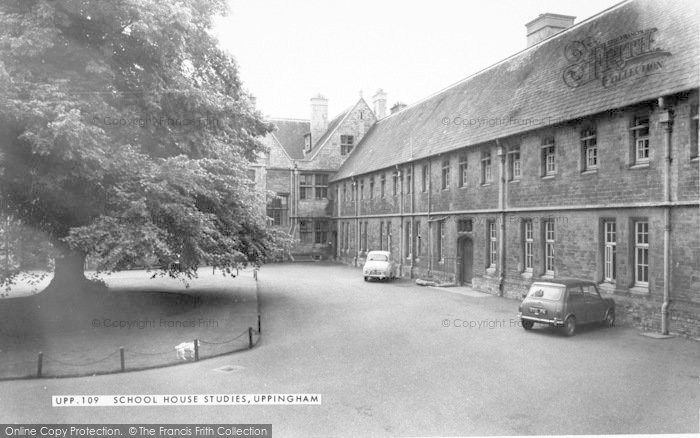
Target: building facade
[[576, 157], [301, 157]]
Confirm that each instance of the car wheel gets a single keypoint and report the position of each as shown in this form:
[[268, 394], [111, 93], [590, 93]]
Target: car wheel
[[366, 278], [527, 325], [570, 326], [610, 318]]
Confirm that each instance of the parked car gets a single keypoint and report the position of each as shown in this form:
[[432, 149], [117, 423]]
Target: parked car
[[379, 265], [565, 303]]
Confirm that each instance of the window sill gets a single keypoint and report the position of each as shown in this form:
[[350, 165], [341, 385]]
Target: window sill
[[589, 172], [485, 184], [526, 274], [514, 181], [549, 176], [639, 166], [547, 276], [639, 290], [695, 158], [491, 271]]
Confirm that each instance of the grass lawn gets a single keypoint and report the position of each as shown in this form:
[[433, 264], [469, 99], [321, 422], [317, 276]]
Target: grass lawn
[[81, 334]]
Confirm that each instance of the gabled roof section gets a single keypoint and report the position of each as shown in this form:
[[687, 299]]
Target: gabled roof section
[[332, 126], [290, 133], [635, 51]]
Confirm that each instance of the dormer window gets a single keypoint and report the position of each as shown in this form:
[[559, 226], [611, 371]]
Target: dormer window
[[307, 142], [346, 144]]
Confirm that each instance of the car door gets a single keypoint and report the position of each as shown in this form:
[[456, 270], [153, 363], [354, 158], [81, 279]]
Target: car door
[[595, 306], [575, 303]]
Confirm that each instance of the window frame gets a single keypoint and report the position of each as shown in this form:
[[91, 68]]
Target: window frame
[[381, 236], [408, 244], [441, 225], [321, 187], [528, 246], [588, 137], [609, 251], [306, 231], [445, 174], [641, 248], [347, 144], [549, 156], [486, 168], [549, 242], [282, 210], [641, 134], [463, 173], [512, 161], [408, 178], [492, 239], [694, 129], [321, 228]]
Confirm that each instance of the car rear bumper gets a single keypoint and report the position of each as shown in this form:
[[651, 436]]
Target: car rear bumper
[[553, 322], [378, 276]]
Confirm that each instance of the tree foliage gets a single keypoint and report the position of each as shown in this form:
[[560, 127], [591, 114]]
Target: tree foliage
[[125, 133]]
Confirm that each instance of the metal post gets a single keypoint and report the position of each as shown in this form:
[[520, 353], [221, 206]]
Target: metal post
[[250, 337], [121, 357], [259, 330], [196, 350], [40, 364]]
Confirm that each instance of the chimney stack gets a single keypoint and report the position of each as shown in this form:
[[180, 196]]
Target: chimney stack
[[398, 106], [547, 25], [379, 101], [319, 117]]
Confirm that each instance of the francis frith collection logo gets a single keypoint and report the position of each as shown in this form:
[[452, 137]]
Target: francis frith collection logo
[[625, 57]]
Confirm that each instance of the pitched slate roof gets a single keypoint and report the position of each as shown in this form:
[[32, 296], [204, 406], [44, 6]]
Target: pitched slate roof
[[535, 88], [290, 134], [331, 127]]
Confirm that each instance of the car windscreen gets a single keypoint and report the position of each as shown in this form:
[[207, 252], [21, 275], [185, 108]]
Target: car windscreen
[[544, 292], [377, 258]]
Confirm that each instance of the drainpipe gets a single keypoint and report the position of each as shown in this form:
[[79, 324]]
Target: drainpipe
[[401, 224], [430, 224], [414, 237], [666, 118], [501, 206], [357, 222]]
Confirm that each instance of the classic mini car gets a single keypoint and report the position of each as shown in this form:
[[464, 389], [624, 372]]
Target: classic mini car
[[379, 265], [565, 303]]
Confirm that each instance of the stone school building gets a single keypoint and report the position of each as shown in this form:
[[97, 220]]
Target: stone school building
[[576, 157]]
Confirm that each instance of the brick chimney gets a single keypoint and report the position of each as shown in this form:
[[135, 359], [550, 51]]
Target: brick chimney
[[379, 101], [546, 25], [398, 106], [319, 117]]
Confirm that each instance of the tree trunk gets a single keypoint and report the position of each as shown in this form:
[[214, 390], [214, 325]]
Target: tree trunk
[[70, 268], [69, 273]]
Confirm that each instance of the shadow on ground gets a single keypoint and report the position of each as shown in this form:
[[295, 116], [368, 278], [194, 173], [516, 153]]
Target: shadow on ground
[[81, 333]]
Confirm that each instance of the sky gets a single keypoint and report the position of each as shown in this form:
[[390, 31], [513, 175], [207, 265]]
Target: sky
[[288, 52]]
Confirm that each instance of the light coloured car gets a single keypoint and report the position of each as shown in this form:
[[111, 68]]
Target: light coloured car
[[379, 265]]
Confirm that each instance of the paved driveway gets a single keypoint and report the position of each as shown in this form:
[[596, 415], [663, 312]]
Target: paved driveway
[[397, 359]]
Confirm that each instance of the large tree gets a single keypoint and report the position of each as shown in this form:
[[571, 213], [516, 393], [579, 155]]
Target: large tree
[[125, 134]]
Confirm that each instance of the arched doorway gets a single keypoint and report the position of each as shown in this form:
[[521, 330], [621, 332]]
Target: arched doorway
[[466, 256]]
